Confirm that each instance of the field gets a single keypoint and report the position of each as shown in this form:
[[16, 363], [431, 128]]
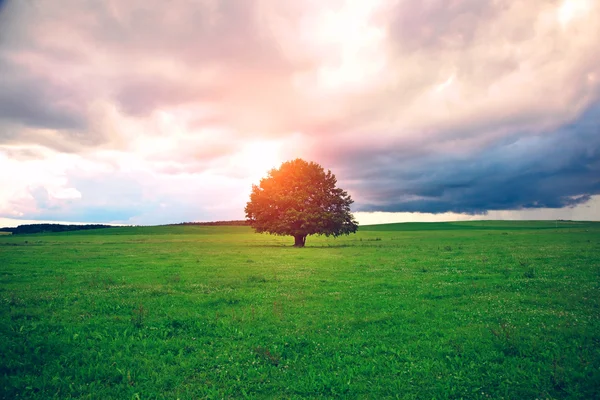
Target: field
[[473, 310]]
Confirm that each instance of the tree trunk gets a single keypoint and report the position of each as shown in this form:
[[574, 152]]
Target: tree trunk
[[299, 240]]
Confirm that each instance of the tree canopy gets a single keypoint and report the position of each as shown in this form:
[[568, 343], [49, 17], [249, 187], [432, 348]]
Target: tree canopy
[[300, 199]]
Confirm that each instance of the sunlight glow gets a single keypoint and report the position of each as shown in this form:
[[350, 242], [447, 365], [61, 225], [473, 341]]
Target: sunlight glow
[[445, 84], [259, 157], [572, 9]]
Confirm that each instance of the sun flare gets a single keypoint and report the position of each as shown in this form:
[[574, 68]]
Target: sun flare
[[258, 157], [572, 9]]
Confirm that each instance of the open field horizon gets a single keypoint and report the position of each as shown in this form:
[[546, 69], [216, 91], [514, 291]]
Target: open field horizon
[[395, 225], [481, 309]]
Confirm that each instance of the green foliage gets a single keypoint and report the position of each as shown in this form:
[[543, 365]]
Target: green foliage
[[195, 312], [300, 199]]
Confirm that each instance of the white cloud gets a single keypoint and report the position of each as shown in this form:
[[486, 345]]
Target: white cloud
[[65, 193]]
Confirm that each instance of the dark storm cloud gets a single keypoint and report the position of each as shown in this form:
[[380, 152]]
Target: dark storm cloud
[[37, 102], [549, 170]]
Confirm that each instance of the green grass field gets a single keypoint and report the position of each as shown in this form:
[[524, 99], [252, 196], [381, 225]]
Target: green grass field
[[473, 310]]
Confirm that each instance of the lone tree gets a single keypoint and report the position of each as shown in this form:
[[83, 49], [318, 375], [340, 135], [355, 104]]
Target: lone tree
[[300, 199]]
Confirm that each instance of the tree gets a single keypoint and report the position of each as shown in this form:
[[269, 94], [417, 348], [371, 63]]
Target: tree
[[300, 199]]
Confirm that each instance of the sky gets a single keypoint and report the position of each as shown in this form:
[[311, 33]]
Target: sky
[[151, 112]]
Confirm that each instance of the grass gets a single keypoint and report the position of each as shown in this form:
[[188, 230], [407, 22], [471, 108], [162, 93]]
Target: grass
[[472, 310]]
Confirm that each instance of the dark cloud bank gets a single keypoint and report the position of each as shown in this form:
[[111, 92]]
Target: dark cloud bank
[[548, 170]]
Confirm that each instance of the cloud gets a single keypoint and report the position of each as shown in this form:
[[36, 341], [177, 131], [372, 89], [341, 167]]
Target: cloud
[[549, 170], [36, 102], [464, 106]]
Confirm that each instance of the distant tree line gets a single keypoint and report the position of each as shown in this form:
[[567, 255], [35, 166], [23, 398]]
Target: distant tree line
[[217, 223], [42, 228]]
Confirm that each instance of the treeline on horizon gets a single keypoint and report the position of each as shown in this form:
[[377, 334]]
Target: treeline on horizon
[[217, 223], [43, 228]]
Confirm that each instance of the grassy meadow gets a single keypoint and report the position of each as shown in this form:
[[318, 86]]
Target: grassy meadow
[[474, 310]]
